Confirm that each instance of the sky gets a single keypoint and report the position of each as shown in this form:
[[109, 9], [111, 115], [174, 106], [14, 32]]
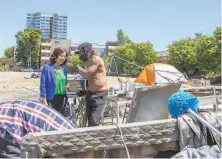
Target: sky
[[97, 21]]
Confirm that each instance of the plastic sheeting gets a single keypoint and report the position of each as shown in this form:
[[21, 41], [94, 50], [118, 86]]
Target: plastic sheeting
[[201, 152]]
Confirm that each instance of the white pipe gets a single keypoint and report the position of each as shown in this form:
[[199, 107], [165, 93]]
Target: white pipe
[[215, 99], [204, 122]]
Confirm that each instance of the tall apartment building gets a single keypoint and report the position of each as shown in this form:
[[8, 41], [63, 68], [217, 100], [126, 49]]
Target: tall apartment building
[[53, 25]]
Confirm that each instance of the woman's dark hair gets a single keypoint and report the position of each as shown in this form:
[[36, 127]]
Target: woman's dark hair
[[57, 51]]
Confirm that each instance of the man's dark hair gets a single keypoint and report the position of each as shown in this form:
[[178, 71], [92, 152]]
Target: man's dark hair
[[58, 51]]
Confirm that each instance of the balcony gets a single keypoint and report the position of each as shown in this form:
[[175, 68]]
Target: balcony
[[46, 44], [46, 51], [44, 58], [112, 47]]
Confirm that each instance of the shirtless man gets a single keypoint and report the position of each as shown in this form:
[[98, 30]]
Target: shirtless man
[[95, 72]]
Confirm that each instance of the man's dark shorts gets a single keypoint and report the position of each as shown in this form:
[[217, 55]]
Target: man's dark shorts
[[95, 106]]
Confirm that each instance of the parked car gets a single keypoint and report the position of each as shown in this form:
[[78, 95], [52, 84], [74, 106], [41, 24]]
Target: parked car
[[27, 70], [37, 70]]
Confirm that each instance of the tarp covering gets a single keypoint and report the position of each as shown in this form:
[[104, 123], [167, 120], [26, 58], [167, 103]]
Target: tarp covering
[[205, 151], [196, 140], [158, 73]]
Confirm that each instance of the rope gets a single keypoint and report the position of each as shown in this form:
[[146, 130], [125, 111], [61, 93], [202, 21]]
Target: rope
[[112, 59], [121, 134], [128, 61]]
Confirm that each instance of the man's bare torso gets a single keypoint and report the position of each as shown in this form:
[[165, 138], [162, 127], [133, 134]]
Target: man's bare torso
[[97, 81]]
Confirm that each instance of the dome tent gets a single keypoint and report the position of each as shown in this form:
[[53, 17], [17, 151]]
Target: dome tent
[[158, 73]]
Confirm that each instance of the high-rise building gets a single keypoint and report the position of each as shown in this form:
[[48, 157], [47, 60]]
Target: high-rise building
[[53, 25]]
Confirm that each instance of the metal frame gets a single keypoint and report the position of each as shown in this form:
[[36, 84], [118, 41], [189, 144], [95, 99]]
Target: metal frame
[[76, 109]]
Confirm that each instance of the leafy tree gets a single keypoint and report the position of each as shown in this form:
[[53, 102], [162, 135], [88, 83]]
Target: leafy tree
[[206, 51], [7, 52], [122, 38], [217, 38], [141, 54], [28, 45], [183, 56], [7, 60], [198, 56], [74, 60]]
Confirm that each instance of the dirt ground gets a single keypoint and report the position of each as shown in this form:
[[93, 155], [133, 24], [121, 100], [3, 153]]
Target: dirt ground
[[19, 85]]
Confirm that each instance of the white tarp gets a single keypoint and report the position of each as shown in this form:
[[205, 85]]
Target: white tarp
[[201, 152], [168, 74]]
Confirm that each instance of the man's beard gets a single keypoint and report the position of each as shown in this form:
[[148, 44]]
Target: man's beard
[[84, 57]]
